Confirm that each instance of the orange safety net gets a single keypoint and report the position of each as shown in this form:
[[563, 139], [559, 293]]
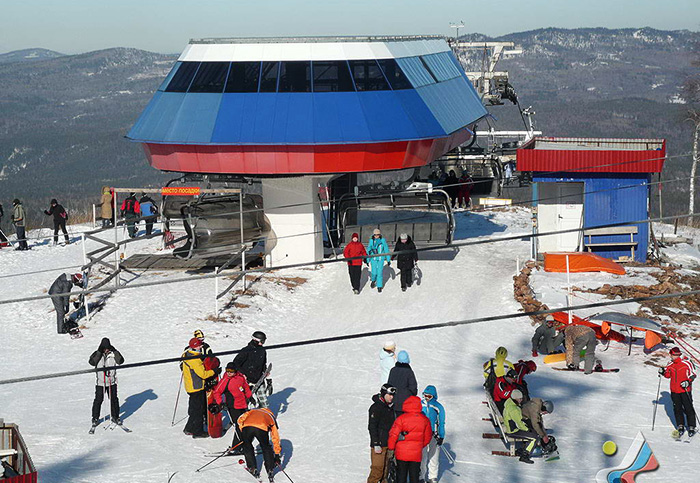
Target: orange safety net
[[580, 262]]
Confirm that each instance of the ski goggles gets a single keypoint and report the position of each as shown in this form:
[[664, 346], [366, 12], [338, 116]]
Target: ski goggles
[[389, 390], [427, 396]]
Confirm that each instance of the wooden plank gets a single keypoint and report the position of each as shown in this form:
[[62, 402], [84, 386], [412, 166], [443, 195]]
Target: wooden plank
[[613, 230], [611, 244]]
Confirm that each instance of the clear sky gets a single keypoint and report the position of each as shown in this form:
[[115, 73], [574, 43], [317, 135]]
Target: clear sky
[[72, 26]]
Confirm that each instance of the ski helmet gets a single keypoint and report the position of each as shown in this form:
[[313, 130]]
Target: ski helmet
[[516, 394], [77, 278], [387, 389], [675, 351], [195, 343], [231, 366], [259, 336], [501, 352], [531, 365], [547, 406], [199, 334], [512, 374]]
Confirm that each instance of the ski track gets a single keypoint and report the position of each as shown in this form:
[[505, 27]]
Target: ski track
[[322, 392]]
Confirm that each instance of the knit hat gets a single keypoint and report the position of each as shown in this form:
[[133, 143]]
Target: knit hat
[[549, 318], [355, 235], [377, 231], [390, 345], [403, 357], [675, 351], [516, 394], [403, 236], [231, 366]]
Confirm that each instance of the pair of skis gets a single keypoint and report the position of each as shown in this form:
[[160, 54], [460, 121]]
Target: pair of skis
[[110, 426], [681, 437]]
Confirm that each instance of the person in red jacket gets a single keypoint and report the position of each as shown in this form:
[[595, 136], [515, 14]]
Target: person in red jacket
[[355, 249], [234, 386], [503, 387], [681, 372], [409, 434]]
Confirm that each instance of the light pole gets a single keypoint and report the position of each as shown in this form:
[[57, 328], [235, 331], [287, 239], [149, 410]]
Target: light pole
[[457, 26]]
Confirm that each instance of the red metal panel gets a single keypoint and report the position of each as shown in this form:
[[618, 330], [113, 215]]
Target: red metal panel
[[299, 159], [591, 161]]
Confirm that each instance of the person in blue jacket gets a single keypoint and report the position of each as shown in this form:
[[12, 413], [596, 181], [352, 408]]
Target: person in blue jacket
[[436, 414], [149, 212], [377, 244]]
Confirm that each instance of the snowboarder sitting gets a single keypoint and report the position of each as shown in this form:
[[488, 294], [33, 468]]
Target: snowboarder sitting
[[106, 381], [515, 426], [233, 386], [408, 436], [532, 412], [256, 424], [496, 367], [381, 418], [503, 389], [251, 361], [376, 246], [404, 252], [436, 414], [387, 359], [546, 339], [577, 338], [522, 369], [194, 374], [352, 250], [681, 372], [63, 285], [403, 379]]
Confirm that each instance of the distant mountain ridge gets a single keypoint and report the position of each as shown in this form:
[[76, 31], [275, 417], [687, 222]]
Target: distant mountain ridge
[[28, 55], [63, 118]]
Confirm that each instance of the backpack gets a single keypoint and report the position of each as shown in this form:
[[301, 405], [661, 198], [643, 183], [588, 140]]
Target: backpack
[[129, 206], [491, 378]]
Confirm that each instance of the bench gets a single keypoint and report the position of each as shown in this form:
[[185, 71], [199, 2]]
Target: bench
[[612, 231], [497, 419], [420, 233]]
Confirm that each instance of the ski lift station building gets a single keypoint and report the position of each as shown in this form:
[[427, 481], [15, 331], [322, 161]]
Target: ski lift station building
[[294, 112], [581, 183]]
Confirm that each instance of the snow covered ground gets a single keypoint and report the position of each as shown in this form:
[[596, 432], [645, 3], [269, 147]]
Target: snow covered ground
[[322, 392]]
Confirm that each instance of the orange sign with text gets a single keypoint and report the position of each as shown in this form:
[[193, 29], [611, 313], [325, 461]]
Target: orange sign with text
[[180, 191]]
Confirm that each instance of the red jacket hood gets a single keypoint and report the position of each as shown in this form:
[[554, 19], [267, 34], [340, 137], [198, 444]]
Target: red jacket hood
[[412, 405], [355, 235]]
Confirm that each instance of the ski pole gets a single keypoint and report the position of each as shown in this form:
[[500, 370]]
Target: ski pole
[[222, 454], [177, 399], [656, 404], [284, 472], [448, 455]]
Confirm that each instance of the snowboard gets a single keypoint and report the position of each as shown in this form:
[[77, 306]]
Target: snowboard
[[254, 400], [552, 358], [71, 324]]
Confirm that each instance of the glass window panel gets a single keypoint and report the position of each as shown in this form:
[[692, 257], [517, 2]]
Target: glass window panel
[[243, 77], [183, 77], [210, 77], [295, 76], [416, 72], [169, 77], [332, 76], [368, 76], [268, 78], [394, 75]]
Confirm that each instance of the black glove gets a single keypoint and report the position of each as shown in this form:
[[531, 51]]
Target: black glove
[[685, 384], [214, 408], [278, 460], [268, 387], [439, 441], [662, 371], [76, 305], [217, 370]]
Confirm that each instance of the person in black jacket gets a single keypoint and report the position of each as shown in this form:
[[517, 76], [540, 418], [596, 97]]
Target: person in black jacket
[[63, 285], [3, 238], [451, 187], [402, 378], [381, 418], [252, 363], [59, 220], [406, 260], [106, 356]]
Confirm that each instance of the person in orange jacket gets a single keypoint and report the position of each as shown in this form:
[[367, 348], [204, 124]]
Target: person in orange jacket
[[260, 424], [194, 374], [408, 436]]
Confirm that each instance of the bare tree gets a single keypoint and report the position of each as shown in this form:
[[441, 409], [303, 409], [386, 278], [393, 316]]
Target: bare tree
[[691, 95]]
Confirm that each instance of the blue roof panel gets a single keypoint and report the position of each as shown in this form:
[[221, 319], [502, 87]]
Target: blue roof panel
[[194, 121]]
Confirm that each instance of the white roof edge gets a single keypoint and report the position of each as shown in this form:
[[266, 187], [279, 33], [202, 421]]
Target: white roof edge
[[311, 51]]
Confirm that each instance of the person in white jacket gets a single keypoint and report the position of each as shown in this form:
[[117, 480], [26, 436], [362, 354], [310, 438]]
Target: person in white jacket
[[387, 359]]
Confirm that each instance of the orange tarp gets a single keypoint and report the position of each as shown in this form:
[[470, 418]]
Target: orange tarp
[[580, 262], [563, 318]]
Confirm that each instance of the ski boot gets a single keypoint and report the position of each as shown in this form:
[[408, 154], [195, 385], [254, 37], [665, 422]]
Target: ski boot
[[691, 432], [254, 472], [117, 421], [598, 366], [525, 458], [373, 284], [356, 292], [681, 430], [379, 290]]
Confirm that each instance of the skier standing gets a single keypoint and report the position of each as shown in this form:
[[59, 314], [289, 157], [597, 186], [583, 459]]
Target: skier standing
[[62, 285], [206, 349], [436, 414], [252, 363], [515, 426], [377, 245], [546, 339], [403, 379], [194, 374], [578, 337], [381, 418], [60, 217], [681, 372], [149, 212], [3, 239], [407, 259], [407, 438], [260, 424], [387, 359], [106, 381], [20, 222], [355, 249], [131, 211], [234, 387]]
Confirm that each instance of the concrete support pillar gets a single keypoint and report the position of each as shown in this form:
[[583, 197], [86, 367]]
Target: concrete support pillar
[[297, 231]]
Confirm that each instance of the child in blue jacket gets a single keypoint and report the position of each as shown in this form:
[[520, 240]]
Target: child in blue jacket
[[376, 245], [436, 414]]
